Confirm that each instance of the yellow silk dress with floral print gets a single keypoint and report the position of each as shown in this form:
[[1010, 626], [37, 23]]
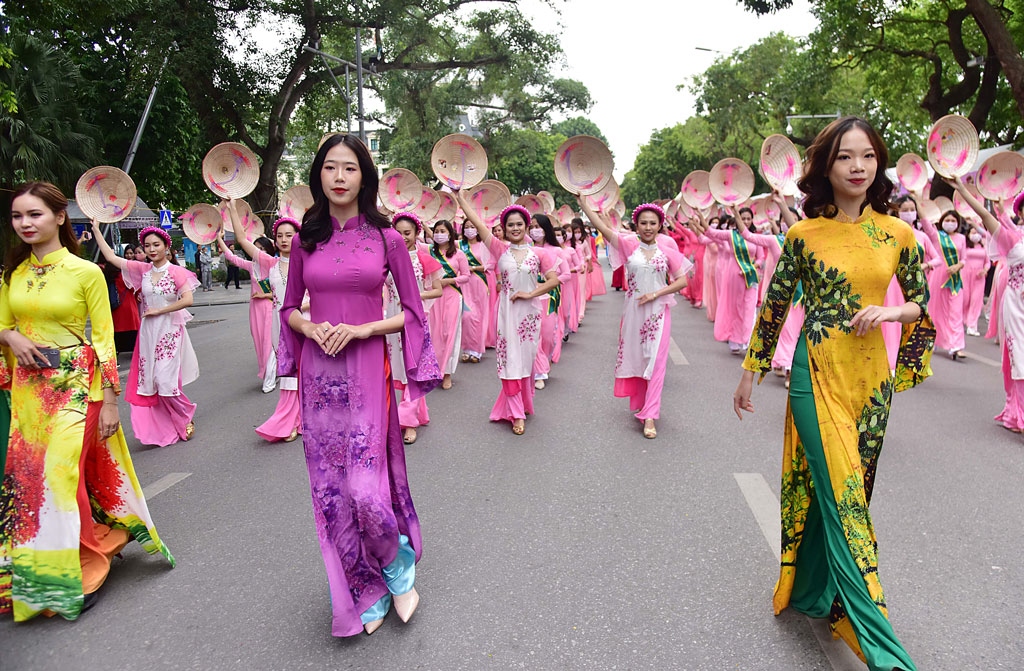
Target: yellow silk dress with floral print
[[844, 265], [59, 475]]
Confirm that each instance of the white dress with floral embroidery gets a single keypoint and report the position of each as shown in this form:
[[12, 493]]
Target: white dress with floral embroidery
[[165, 350], [518, 321]]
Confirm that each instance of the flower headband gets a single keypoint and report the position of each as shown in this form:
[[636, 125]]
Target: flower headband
[[514, 208], [287, 220], [649, 207], [153, 230], [1019, 202], [411, 216]]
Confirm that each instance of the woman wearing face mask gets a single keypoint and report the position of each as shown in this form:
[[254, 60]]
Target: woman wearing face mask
[[542, 233], [412, 412], [581, 242], [930, 258], [520, 266], [645, 330], [841, 386], [446, 313], [475, 293], [709, 288], [737, 286], [491, 337], [596, 285], [945, 286], [976, 265], [163, 361], [569, 311]]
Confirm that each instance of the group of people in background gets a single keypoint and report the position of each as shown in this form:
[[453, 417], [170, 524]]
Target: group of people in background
[[352, 310]]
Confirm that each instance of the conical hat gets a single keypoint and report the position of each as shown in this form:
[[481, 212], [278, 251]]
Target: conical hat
[[695, 190], [448, 207], [944, 204], [620, 207], [605, 199], [548, 200], [459, 161], [106, 194], [731, 181], [780, 161], [765, 209], [400, 190], [532, 203], [488, 199], [953, 146], [231, 170], [1001, 177], [564, 215], [912, 173], [929, 210], [962, 206], [429, 205], [295, 202], [251, 224], [583, 165], [201, 223]]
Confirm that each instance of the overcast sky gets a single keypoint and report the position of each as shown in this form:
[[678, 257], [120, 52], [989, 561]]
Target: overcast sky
[[633, 82]]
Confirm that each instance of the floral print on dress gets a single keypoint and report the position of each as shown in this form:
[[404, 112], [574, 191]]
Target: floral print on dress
[[167, 345], [1015, 279], [529, 328], [651, 328], [501, 352]]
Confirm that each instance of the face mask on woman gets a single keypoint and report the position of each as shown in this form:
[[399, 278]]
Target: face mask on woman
[[577, 235], [536, 234], [909, 216], [975, 236], [950, 226], [469, 232], [560, 238], [440, 238]]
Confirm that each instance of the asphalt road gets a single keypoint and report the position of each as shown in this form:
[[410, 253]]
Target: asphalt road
[[580, 545]]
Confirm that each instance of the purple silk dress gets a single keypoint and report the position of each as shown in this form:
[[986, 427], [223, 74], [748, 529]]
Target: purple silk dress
[[350, 432]]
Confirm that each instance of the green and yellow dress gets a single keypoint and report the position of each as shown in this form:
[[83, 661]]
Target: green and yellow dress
[[839, 402], [69, 501]]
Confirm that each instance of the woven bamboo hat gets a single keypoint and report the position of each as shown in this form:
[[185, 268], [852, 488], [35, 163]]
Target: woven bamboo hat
[[106, 194], [695, 190], [488, 199], [548, 200], [295, 202], [962, 207], [731, 181], [448, 207], [765, 209], [1001, 177], [429, 205], [201, 223], [564, 215], [400, 190], [616, 219], [944, 204], [533, 204], [620, 207], [251, 224], [231, 170], [583, 165], [912, 172], [459, 161], [929, 209], [780, 161], [953, 146], [605, 199]]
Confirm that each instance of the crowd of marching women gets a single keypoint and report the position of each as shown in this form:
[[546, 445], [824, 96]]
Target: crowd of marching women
[[357, 315]]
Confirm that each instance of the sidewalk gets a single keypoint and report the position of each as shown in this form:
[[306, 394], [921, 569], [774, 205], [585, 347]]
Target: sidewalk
[[222, 296]]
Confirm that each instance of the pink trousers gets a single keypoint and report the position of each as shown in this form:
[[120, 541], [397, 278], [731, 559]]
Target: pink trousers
[[164, 422], [515, 401], [645, 395], [286, 418]]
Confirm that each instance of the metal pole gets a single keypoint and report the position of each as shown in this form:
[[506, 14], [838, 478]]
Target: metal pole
[[348, 101], [359, 82], [142, 122]]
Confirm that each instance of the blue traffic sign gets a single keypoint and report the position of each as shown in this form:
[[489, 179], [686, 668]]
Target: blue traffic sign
[[165, 219]]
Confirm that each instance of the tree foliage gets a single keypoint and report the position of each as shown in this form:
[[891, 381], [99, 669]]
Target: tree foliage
[[667, 158], [578, 126], [523, 159]]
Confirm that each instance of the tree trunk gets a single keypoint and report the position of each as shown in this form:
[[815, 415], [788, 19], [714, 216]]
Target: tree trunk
[[1001, 42]]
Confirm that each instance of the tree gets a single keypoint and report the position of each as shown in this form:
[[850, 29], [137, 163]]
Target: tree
[[523, 159], [667, 158], [578, 126]]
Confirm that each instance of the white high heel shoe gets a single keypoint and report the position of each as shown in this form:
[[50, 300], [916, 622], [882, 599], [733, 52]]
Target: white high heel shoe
[[405, 604]]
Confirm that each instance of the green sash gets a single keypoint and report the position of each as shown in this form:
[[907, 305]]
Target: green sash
[[798, 294], [555, 296], [473, 261], [449, 272], [920, 256], [739, 249], [955, 283]]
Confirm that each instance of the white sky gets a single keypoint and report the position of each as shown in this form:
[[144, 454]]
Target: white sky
[[631, 55]]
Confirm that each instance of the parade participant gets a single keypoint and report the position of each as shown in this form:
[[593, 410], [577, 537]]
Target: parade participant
[[945, 285], [446, 313], [262, 311], [569, 310], [163, 361], [519, 267], [1008, 242], [543, 235], [709, 288], [475, 294], [646, 327], [366, 523], [737, 282], [124, 308], [492, 288], [582, 243], [976, 265], [412, 413], [596, 285], [75, 500], [841, 389]]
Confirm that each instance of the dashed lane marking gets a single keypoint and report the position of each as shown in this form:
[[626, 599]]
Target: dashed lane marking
[[981, 359], [676, 354], [163, 484]]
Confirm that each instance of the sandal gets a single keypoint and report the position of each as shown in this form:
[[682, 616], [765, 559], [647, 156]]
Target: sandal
[[464, 358], [650, 431], [292, 436], [190, 430], [410, 436], [474, 359], [519, 427], [538, 384], [446, 383]]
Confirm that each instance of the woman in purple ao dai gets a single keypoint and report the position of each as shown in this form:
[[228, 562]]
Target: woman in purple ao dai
[[646, 327], [367, 526]]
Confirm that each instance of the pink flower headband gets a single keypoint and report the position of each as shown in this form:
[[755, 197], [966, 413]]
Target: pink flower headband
[[514, 208], [411, 216], [287, 220], [650, 207], [153, 230]]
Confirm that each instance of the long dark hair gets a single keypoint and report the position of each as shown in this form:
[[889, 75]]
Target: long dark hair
[[316, 223], [549, 231], [822, 154], [57, 203], [453, 239], [577, 225]]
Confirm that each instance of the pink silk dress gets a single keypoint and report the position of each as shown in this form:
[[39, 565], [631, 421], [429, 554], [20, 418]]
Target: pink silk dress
[[709, 288], [945, 307], [446, 312], [261, 311], [551, 329], [976, 265], [595, 278], [1009, 244], [737, 303], [477, 314], [163, 361], [287, 415], [518, 325], [645, 330], [491, 335], [694, 250]]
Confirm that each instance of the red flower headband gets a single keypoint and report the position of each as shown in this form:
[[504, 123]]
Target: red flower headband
[[650, 207], [153, 230], [514, 208], [411, 216]]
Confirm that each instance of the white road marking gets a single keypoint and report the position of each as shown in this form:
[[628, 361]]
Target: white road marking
[[163, 484], [981, 359], [676, 354], [765, 507]]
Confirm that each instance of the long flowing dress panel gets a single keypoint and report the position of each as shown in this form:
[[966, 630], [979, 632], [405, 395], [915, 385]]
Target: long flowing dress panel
[[445, 317], [709, 288], [1008, 243], [945, 305], [287, 415], [737, 302], [351, 437], [476, 296], [596, 285], [261, 310], [63, 489], [844, 265], [976, 265]]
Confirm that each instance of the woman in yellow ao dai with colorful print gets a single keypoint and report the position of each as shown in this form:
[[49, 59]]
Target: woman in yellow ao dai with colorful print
[[70, 499], [841, 388]]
